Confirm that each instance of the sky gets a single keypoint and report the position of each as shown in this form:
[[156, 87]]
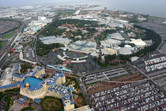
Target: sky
[[151, 7]]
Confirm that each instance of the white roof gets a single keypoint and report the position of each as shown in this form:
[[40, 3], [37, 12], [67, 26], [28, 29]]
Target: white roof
[[128, 46], [125, 51], [94, 54], [117, 36], [134, 58], [53, 39], [138, 42], [107, 51]]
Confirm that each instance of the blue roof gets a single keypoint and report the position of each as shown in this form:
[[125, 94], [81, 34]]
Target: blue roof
[[71, 88], [10, 85], [19, 76], [110, 36], [37, 100], [24, 99], [32, 81], [31, 88], [60, 68]]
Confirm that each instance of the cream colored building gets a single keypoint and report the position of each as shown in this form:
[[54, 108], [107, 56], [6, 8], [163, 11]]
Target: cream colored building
[[33, 86]]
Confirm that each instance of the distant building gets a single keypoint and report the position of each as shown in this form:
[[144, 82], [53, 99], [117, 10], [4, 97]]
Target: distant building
[[77, 12], [41, 18], [105, 9], [131, 34]]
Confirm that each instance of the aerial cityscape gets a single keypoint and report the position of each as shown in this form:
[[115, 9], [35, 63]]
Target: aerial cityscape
[[81, 57]]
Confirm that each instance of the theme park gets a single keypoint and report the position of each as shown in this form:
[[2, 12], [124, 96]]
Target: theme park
[[50, 88]]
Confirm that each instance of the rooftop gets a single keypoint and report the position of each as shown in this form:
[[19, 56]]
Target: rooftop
[[32, 81]]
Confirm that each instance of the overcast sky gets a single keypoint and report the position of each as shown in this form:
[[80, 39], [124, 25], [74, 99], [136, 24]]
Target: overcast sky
[[152, 7]]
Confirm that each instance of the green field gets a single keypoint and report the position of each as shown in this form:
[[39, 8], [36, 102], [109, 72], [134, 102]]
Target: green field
[[2, 44], [51, 104], [8, 36], [152, 18]]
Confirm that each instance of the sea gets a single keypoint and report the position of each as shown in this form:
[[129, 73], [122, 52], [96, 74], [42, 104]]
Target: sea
[[148, 7]]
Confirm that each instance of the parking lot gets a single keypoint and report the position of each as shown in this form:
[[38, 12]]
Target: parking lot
[[154, 66], [129, 97], [29, 54], [52, 59], [101, 75]]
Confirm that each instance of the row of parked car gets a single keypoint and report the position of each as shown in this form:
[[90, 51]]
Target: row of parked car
[[134, 96]]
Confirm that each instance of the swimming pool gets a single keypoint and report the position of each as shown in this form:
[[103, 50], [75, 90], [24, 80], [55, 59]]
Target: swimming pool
[[32, 81]]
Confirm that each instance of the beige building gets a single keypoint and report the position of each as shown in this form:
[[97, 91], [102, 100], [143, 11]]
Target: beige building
[[33, 86]]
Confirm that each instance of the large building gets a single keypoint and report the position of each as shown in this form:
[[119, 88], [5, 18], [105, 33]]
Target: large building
[[108, 51], [110, 42], [83, 46], [53, 39], [139, 43], [33, 86], [117, 36], [124, 51]]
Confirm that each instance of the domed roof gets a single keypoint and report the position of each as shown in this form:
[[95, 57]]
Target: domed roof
[[27, 84]]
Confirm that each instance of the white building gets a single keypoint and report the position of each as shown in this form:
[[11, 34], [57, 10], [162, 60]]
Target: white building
[[124, 51], [117, 36], [77, 12], [83, 46], [110, 42], [41, 18], [108, 51], [138, 43], [134, 58]]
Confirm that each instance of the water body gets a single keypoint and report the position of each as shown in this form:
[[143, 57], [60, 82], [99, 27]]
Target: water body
[[150, 7]]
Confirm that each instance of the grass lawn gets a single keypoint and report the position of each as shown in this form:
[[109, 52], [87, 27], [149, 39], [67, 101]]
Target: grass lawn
[[79, 100], [51, 104], [27, 109], [152, 18], [119, 77], [8, 36], [2, 44]]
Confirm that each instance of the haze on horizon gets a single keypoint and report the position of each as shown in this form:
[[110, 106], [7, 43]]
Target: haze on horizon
[[151, 7]]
